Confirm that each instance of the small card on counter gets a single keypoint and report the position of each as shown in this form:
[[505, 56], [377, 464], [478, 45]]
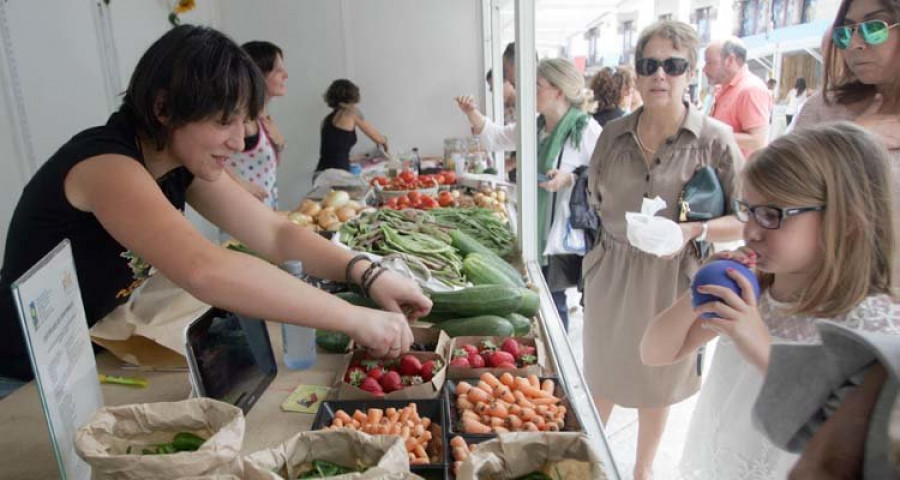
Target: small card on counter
[[305, 398]]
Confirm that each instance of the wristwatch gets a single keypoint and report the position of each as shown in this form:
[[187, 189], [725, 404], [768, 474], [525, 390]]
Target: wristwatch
[[704, 232]]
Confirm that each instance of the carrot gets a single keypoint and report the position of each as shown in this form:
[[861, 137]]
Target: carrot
[[396, 429], [411, 444], [528, 414], [419, 461], [426, 422], [474, 426], [375, 415], [404, 432], [552, 427], [463, 403], [462, 388], [498, 410], [496, 422], [499, 429], [360, 417], [530, 427], [337, 422], [354, 424], [522, 400], [530, 391], [404, 415], [545, 401], [515, 409], [508, 379], [470, 415], [481, 408], [539, 421], [513, 422], [420, 452], [485, 386], [490, 379], [425, 438], [504, 393], [548, 386], [478, 395], [534, 381]]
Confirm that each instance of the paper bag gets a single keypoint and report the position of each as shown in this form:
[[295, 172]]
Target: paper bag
[[384, 455], [657, 235], [148, 330], [513, 455], [104, 441]]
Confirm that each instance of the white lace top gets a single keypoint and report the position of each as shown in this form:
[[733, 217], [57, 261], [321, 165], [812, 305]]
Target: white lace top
[[722, 442]]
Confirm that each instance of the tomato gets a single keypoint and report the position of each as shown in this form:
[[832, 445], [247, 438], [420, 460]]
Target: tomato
[[407, 176], [449, 177], [428, 202], [414, 195], [439, 177], [445, 199], [403, 202], [391, 202], [379, 180]]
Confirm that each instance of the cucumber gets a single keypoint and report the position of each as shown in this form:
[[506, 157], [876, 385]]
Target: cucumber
[[530, 304], [483, 325], [520, 323], [483, 269], [358, 300], [333, 342], [478, 300]]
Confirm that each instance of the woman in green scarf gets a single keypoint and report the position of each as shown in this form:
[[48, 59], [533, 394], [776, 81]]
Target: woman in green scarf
[[567, 135]]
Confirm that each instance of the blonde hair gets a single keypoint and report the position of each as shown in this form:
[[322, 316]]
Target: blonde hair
[[843, 167], [682, 36], [563, 75]]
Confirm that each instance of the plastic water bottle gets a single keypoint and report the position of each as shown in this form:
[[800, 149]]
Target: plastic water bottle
[[299, 342]]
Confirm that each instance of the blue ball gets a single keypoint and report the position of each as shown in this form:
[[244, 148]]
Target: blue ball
[[715, 273]]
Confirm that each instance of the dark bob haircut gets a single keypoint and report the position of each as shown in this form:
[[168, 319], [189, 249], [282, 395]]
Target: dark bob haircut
[[341, 91], [191, 74], [264, 54]]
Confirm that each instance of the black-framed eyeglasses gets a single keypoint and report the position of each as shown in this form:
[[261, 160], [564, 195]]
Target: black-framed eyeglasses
[[769, 216], [672, 66], [873, 32]]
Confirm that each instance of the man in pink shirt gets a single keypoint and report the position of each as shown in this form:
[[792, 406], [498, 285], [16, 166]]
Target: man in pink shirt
[[742, 100]]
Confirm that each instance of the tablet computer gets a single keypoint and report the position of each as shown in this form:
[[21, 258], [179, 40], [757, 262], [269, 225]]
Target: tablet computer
[[230, 357]]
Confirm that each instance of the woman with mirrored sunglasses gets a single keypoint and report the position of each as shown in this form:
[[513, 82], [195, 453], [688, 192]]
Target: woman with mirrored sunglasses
[[862, 65], [651, 152]]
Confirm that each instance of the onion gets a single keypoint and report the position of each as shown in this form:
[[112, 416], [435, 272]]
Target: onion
[[326, 218], [346, 213], [336, 198], [300, 218], [312, 208], [354, 205]]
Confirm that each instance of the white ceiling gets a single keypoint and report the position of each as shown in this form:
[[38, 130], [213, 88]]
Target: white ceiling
[[557, 20]]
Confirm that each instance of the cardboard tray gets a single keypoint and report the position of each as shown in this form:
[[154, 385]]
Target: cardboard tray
[[539, 368], [433, 409], [571, 423], [431, 389]]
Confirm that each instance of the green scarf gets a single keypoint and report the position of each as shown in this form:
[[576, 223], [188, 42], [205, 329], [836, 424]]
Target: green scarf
[[572, 124]]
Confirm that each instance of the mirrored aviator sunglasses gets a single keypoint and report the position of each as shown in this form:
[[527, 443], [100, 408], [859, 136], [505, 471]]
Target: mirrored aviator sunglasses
[[873, 32], [672, 66]]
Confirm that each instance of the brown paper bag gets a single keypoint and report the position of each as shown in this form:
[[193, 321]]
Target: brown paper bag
[[386, 456], [103, 441], [148, 330], [515, 454]]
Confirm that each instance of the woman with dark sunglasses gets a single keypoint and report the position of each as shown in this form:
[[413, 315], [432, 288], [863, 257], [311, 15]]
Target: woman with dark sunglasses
[[651, 152], [862, 65]]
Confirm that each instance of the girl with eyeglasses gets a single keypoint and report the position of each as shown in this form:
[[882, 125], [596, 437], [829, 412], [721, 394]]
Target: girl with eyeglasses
[[816, 207], [862, 65], [651, 152]]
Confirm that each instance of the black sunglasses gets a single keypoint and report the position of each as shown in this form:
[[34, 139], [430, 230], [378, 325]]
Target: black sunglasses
[[769, 216], [672, 66]]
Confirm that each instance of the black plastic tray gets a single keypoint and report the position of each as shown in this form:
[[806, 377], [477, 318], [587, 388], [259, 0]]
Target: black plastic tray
[[453, 429], [433, 409]]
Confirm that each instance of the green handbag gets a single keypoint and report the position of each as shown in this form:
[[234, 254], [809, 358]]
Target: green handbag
[[701, 200]]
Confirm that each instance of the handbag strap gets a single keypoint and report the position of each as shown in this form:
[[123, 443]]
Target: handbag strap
[[558, 164]]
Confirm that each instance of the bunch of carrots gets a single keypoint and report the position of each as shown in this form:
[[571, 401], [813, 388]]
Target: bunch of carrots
[[461, 451], [404, 422], [509, 404]]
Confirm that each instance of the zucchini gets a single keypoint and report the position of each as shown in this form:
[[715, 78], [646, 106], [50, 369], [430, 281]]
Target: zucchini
[[531, 303], [466, 244], [483, 269], [333, 342], [478, 300], [520, 323], [358, 300], [483, 325]]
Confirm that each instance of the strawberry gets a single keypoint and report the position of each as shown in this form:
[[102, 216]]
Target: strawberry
[[499, 357], [526, 350], [431, 367], [375, 372], [470, 349], [410, 365], [511, 346], [476, 361], [372, 386], [390, 382], [527, 360], [460, 362], [460, 352], [355, 376], [488, 345], [505, 365]]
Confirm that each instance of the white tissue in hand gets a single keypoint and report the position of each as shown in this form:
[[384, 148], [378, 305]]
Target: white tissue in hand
[[657, 235]]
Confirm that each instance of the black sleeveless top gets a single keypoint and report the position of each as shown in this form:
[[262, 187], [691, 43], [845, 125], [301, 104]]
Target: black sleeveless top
[[107, 272], [334, 151]]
